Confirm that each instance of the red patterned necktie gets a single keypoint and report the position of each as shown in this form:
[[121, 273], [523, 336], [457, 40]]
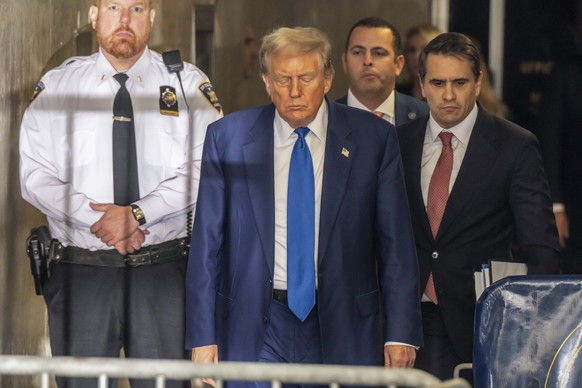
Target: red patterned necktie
[[379, 114], [438, 194]]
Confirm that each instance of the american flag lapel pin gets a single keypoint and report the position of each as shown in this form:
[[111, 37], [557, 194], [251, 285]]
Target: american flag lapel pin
[[345, 152]]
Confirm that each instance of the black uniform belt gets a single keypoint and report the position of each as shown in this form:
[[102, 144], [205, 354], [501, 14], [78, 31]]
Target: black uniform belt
[[281, 296], [151, 254]]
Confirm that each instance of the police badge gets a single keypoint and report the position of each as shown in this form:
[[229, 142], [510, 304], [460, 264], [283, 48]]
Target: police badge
[[168, 101]]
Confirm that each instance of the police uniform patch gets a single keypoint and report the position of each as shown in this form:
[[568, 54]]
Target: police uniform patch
[[208, 92], [37, 90], [168, 101]]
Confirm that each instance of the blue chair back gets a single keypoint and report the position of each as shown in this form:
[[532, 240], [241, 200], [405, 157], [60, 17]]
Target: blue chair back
[[528, 333]]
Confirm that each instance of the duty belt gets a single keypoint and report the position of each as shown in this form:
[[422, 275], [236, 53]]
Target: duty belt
[[152, 254]]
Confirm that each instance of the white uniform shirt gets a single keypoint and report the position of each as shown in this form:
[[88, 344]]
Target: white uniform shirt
[[66, 145]]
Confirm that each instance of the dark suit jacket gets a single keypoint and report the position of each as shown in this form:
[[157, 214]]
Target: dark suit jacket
[[406, 108], [500, 192], [560, 132], [366, 250]]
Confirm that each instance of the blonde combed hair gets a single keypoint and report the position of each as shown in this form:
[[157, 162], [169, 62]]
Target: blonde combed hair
[[296, 40]]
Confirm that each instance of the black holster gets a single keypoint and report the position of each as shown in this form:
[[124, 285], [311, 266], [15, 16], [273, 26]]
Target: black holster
[[38, 247]]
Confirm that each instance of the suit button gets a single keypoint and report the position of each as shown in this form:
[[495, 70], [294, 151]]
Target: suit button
[[435, 255], [265, 319]]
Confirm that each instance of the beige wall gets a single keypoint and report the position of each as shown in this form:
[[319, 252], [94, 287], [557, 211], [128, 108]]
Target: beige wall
[[38, 34], [334, 17], [30, 33]]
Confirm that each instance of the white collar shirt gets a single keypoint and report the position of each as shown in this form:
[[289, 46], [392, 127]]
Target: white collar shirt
[[284, 141], [433, 145], [387, 108]]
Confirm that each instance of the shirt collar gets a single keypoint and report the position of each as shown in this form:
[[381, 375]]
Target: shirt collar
[[462, 131], [318, 126], [137, 73], [386, 107]]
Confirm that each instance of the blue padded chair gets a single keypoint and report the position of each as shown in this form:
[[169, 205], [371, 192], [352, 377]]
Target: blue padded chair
[[528, 333]]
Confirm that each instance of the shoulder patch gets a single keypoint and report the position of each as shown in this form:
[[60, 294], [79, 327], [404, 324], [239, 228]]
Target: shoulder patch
[[208, 92], [37, 91]]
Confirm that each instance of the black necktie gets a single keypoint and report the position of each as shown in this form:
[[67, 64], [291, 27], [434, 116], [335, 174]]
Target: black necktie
[[125, 178]]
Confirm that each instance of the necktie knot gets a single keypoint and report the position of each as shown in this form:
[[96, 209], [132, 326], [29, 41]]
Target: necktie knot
[[121, 78], [379, 114], [302, 132], [446, 138]]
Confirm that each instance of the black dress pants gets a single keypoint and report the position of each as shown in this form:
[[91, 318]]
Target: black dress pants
[[437, 357], [96, 311]]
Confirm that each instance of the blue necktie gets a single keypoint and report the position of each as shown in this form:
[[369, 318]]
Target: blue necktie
[[301, 229]]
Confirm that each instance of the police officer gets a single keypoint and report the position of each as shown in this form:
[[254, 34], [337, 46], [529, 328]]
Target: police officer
[[121, 214]]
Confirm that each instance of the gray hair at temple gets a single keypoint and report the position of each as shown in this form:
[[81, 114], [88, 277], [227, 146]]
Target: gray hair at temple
[[295, 41], [451, 44]]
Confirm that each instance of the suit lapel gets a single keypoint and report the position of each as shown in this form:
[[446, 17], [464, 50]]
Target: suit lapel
[[340, 151], [258, 164], [400, 110], [412, 141], [477, 163]]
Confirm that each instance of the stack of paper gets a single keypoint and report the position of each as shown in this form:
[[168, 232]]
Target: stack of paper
[[494, 271]]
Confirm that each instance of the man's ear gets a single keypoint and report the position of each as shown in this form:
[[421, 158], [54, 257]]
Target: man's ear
[[399, 62], [421, 86], [344, 64], [93, 12], [478, 84], [267, 82]]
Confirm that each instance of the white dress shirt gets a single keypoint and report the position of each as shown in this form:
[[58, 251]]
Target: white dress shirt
[[285, 139], [431, 150], [387, 107], [66, 145]]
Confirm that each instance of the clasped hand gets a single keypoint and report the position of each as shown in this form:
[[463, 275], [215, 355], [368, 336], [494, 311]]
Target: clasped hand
[[118, 228]]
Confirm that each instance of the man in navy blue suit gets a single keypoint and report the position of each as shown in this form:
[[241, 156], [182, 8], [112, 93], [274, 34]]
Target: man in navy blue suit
[[372, 60], [366, 307]]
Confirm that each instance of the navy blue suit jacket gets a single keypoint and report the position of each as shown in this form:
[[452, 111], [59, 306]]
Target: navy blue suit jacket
[[406, 108], [366, 260]]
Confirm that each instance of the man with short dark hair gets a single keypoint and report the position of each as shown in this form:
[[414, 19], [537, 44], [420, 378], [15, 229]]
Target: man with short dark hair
[[474, 182], [372, 60]]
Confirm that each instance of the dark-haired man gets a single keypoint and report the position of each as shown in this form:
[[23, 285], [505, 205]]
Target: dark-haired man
[[474, 182], [372, 60]]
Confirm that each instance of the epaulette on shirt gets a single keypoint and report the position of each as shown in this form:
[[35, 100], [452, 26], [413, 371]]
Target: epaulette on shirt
[[41, 86]]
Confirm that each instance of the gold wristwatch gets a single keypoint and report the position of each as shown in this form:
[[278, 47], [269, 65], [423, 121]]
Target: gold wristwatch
[[138, 214]]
